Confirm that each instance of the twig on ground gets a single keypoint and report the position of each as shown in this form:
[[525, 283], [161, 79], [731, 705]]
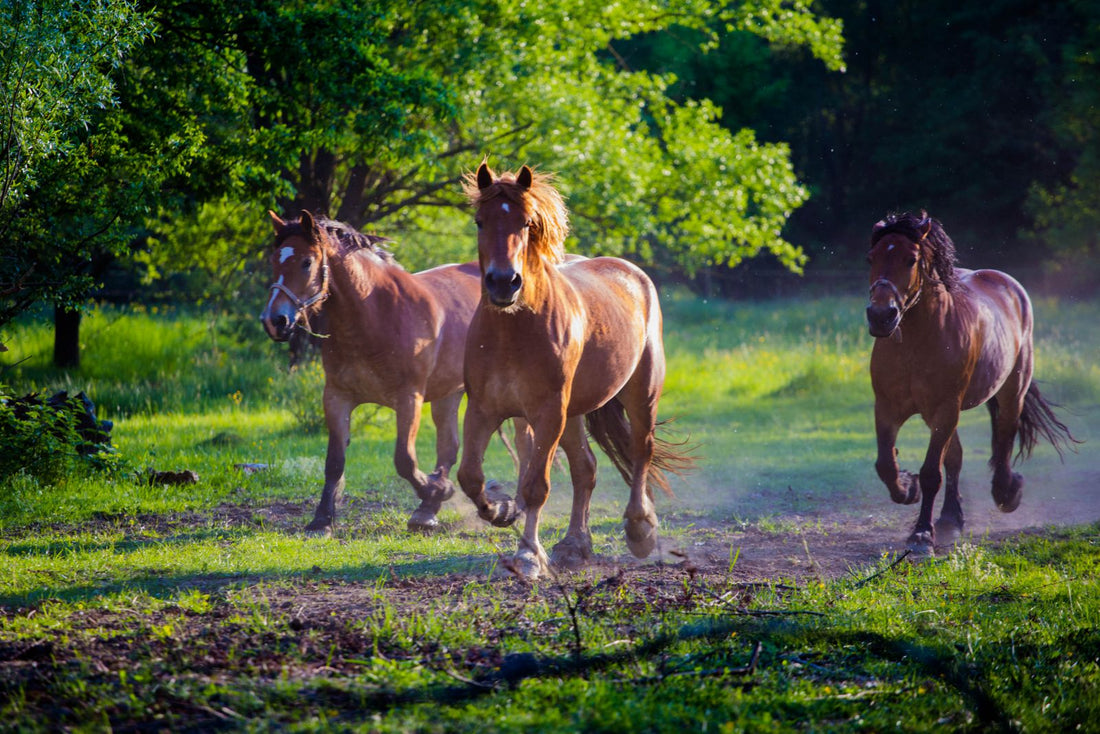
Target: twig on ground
[[889, 568]]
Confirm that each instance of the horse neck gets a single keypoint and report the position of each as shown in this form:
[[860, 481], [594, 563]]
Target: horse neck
[[926, 317], [538, 286], [358, 287]]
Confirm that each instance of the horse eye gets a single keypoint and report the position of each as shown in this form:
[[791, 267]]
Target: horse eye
[[307, 263], [527, 224], [911, 261]]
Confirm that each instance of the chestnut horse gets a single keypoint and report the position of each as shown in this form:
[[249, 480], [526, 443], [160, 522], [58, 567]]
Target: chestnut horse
[[395, 339], [947, 340], [563, 342]]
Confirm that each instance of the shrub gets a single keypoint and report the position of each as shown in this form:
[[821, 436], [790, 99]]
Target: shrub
[[48, 438]]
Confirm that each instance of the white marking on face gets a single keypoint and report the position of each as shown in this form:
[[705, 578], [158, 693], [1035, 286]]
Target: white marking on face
[[274, 294], [889, 248], [505, 207], [285, 254]]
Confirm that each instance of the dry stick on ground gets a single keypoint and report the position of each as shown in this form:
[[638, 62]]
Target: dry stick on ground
[[889, 568]]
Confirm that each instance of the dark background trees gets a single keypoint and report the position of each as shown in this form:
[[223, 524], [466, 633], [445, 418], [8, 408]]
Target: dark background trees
[[693, 139], [983, 113]]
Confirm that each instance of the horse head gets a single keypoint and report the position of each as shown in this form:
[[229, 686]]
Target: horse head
[[898, 260], [522, 224], [299, 261]]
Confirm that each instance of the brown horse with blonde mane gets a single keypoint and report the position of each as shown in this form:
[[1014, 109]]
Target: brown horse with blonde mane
[[563, 342], [947, 340], [395, 339]]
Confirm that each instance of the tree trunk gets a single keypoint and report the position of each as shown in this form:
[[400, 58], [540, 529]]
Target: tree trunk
[[66, 338]]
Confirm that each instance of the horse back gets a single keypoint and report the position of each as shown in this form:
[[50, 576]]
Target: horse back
[[449, 294], [621, 318]]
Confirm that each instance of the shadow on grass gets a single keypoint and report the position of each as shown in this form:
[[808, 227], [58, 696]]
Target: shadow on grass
[[168, 587]]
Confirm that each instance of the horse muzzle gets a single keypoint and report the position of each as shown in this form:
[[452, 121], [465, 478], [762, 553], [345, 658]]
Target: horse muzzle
[[278, 325], [503, 286], [882, 321]]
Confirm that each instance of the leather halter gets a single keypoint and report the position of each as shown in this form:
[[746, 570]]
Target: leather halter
[[904, 304], [299, 304]]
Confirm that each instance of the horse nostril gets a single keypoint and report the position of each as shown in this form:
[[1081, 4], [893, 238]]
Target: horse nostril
[[517, 282], [279, 321]]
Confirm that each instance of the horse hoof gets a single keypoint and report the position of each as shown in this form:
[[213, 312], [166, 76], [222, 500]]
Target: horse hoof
[[320, 527], [440, 489], [527, 564], [1010, 500], [571, 553], [947, 531], [921, 544], [501, 510], [641, 537], [911, 489], [423, 519]]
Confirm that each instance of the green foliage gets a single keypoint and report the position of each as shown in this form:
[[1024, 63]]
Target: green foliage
[[68, 184], [372, 113], [42, 440]]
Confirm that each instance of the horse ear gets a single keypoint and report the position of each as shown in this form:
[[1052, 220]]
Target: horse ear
[[484, 177], [307, 221], [278, 223], [525, 178], [925, 225]]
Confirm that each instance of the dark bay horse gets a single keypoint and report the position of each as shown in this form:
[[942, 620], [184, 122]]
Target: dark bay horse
[[947, 340], [563, 342], [395, 339]]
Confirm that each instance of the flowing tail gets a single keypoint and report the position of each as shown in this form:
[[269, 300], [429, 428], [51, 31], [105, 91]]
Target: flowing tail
[[609, 427], [1037, 420]]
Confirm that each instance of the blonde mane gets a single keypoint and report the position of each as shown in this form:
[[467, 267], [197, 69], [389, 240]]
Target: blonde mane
[[541, 202]]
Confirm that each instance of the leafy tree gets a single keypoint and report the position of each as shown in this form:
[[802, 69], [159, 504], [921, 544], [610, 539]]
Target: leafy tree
[[371, 112], [58, 139]]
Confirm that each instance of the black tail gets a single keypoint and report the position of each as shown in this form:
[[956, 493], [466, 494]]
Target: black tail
[[608, 426], [1037, 420]]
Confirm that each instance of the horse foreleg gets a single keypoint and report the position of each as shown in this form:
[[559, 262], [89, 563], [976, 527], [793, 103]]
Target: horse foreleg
[[338, 419], [575, 549], [492, 505], [534, 487], [903, 486], [950, 524], [942, 426]]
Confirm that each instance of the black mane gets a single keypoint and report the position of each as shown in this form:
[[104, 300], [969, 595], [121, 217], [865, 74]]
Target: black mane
[[911, 227]]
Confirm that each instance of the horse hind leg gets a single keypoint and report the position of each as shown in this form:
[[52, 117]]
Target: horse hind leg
[[950, 524], [640, 518], [575, 549], [437, 488], [1008, 486]]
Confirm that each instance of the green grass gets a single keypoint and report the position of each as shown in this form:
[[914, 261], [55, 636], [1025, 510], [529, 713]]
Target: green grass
[[125, 604]]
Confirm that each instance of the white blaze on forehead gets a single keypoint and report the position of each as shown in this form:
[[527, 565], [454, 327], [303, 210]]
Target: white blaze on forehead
[[285, 254], [505, 207], [889, 248]]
